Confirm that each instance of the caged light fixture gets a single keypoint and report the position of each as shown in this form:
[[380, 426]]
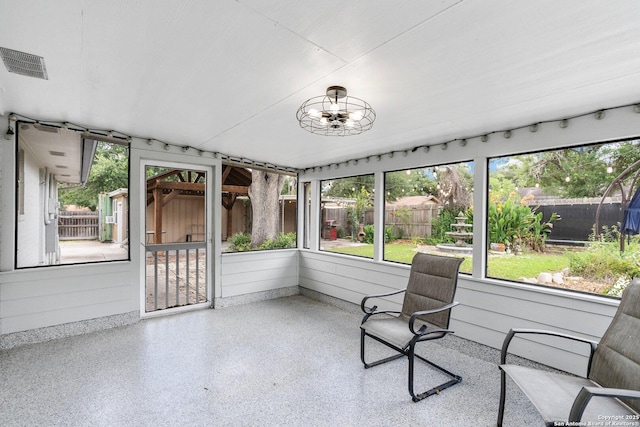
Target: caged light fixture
[[336, 114]]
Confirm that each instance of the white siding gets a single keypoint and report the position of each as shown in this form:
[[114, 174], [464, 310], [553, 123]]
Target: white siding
[[37, 298], [249, 272], [30, 251]]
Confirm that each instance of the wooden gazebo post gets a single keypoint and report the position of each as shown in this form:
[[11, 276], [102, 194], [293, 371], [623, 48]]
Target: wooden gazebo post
[[157, 213]]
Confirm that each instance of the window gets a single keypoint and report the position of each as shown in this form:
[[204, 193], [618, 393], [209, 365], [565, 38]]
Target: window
[[307, 215], [346, 215], [20, 182], [67, 184], [259, 209], [554, 217], [429, 210]]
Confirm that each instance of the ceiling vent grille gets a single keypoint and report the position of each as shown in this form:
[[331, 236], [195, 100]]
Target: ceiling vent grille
[[25, 64]]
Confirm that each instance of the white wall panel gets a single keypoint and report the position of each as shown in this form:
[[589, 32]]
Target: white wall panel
[[249, 272], [38, 298]]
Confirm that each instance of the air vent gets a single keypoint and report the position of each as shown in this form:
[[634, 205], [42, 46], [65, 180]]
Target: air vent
[[58, 153], [62, 167], [23, 63]]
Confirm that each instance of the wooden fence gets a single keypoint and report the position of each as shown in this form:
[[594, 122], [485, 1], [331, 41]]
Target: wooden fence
[[412, 221], [78, 225]]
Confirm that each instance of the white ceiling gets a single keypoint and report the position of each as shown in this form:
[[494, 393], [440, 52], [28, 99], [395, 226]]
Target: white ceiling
[[229, 75]]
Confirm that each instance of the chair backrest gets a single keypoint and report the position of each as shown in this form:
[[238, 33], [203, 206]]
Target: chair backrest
[[616, 362], [432, 284]]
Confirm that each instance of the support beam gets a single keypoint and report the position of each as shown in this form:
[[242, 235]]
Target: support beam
[[157, 215]]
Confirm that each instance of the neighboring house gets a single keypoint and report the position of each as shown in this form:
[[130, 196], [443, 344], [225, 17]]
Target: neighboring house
[[48, 159]]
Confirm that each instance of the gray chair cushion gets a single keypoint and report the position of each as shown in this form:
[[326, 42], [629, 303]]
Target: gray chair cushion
[[432, 284], [553, 395], [393, 330], [616, 363]]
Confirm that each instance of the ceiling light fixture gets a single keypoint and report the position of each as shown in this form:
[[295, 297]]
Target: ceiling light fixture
[[336, 114]]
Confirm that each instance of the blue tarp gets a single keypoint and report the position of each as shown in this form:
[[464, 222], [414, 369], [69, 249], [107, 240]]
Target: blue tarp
[[631, 222]]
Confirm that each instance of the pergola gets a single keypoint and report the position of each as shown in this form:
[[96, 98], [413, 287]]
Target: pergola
[[166, 186]]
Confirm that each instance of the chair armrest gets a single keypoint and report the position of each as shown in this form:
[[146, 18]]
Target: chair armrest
[[417, 314], [373, 309], [586, 393], [513, 332]]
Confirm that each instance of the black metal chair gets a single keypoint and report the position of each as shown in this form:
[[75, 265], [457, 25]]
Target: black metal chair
[[425, 315], [612, 379]]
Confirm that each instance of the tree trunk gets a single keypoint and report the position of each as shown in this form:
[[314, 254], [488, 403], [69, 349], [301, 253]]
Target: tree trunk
[[264, 193]]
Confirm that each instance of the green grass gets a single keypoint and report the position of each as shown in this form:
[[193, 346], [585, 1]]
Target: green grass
[[510, 267], [513, 267]]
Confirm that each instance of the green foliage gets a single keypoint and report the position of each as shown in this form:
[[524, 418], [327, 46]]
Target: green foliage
[[283, 241], [604, 262], [241, 242], [537, 235], [368, 234], [109, 171], [403, 216], [418, 241], [356, 211], [347, 187], [442, 224], [410, 182], [516, 225], [585, 166]]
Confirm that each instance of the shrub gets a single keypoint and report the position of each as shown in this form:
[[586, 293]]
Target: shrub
[[283, 241], [442, 225], [517, 224], [603, 261], [240, 242], [368, 234]]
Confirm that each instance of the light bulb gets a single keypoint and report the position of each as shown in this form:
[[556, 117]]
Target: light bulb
[[324, 121], [356, 115], [314, 113], [334, 108], [349, 123]]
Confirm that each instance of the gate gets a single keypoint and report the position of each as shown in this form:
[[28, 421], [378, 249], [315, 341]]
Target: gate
[[175, 275], [78, 225]]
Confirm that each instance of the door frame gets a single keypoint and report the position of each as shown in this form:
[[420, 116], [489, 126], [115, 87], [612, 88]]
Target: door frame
[[211, 229]]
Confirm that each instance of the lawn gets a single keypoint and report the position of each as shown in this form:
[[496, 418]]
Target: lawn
[[510, 267]]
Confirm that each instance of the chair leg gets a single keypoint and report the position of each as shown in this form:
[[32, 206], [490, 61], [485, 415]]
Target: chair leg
[[503, 395], [377, 362], [455, 379]]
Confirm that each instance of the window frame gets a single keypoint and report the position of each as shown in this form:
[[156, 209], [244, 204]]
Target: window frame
[[21, 210]]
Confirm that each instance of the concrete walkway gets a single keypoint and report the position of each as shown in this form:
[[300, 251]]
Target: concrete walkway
[[79, 251]]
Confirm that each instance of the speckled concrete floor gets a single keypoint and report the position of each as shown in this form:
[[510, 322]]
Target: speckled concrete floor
[[290, 361]]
